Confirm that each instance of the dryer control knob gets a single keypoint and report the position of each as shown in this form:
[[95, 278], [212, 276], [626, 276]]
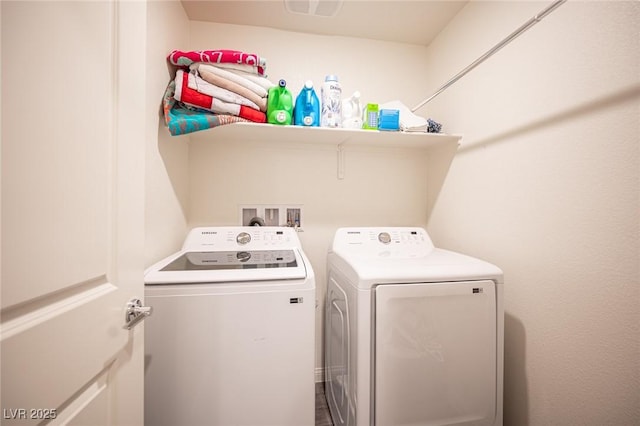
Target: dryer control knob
[[384, 237], [243, 238]]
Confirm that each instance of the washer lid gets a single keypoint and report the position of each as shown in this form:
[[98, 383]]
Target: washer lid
[[189, 267]]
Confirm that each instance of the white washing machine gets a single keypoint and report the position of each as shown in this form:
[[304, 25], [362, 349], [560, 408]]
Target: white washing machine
[[231, 340], [414, 334]]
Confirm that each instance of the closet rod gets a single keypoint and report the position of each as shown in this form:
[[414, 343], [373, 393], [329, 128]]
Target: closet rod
[[531, 22]]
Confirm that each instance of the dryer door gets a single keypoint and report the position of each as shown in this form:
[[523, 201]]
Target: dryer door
[[435, 354]]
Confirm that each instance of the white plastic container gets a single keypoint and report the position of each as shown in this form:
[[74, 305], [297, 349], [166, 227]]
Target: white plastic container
[[352, 112], [331, 93]]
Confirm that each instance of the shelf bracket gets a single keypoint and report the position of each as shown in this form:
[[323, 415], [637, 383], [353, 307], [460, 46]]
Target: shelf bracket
[[341, 161]]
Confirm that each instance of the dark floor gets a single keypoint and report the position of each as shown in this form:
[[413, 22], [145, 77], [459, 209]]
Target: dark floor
[[323, 418]]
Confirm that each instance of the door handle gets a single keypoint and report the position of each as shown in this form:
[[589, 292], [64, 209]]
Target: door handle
[[135, 313]]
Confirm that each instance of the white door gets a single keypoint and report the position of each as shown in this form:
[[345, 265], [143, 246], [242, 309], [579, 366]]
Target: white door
[[73, 113]]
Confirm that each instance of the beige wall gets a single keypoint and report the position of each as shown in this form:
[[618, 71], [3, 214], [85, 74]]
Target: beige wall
[[167, 187], [381, 71], [546, 184]]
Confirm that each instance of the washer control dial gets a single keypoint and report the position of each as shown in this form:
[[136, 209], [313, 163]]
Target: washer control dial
[[243, 256], [384, 237], [243, 238]]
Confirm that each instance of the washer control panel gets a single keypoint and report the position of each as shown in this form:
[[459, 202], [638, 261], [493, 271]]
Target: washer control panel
[[241, 237]]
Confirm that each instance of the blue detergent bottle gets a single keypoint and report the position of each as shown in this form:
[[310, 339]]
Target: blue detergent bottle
[[307, 109]]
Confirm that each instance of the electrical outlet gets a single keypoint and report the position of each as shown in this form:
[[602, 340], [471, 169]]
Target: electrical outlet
[[271, 215]]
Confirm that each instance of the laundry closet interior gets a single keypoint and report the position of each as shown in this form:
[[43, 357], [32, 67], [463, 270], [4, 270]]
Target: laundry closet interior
[[338, 177], [536, 171], [505, 180]]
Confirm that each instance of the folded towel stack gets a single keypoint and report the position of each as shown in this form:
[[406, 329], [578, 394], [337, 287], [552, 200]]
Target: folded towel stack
[[224, 82]]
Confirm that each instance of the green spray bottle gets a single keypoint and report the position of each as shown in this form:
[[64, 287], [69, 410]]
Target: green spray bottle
[[279, 104]]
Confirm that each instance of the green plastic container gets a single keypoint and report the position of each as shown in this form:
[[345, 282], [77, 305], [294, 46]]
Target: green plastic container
[[370, 117], [279, 104]]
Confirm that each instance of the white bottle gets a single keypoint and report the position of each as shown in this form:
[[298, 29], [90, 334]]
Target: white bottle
[[352, 112], [331, 102]]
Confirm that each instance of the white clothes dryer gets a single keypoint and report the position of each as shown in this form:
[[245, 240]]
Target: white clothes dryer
[[232, 337], [414, 334]]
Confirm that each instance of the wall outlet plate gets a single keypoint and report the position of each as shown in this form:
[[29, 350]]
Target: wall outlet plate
[[271, 215]]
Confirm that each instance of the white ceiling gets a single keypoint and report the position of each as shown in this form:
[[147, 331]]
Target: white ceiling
[[414, 22]]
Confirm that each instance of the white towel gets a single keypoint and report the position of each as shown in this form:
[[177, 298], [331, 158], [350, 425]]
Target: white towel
[[259, 80], [197, 83], [232, 76]]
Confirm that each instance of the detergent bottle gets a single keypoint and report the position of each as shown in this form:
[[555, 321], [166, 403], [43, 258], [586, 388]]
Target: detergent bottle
[[279, 104], [352, 112], [307, 109], [331, 102]]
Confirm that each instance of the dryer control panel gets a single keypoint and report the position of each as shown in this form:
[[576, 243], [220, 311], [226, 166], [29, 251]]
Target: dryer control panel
[[397, 241]]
